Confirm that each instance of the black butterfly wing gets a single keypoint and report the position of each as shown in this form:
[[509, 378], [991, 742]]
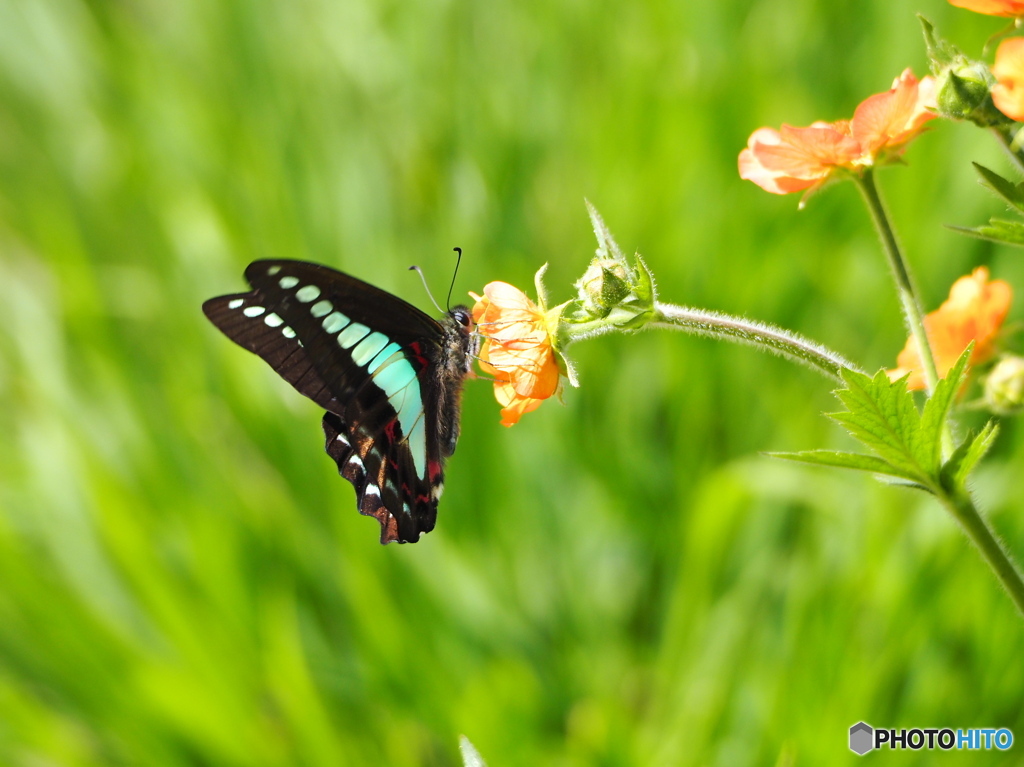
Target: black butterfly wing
[[372, 361], [241, 318]]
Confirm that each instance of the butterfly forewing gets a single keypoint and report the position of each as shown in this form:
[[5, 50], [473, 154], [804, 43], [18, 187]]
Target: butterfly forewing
[[242, 318], [387, 373]]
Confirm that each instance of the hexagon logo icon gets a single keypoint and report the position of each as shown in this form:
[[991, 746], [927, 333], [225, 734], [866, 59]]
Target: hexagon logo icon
[[861, 738]]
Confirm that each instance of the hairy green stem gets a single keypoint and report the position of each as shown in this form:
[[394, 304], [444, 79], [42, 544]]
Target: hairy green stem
[[904, 284], [962, 508], [766, 337], [1006, 139]]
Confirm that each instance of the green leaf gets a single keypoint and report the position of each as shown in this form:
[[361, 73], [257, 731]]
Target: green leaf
[[895, 481], [966, 457], [997, 230], [1002, 187], [933, 419], [844, 460], [883, 416]]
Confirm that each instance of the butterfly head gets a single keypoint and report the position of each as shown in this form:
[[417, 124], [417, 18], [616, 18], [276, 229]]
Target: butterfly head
[[463, 339]]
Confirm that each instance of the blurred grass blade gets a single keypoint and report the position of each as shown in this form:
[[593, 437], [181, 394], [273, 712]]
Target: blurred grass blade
[[470, 756]]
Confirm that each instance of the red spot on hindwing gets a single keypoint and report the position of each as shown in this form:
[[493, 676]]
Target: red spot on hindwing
[[418, 357]]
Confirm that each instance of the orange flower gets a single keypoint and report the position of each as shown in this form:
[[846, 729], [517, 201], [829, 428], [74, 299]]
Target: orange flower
[[1008, 92], [517, 349], [992, 7], [974, 311], [792, 159]]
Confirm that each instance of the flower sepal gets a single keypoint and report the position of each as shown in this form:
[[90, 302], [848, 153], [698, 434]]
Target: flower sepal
[[638, 309]]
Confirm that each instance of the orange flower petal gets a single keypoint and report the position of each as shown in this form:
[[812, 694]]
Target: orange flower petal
[[891, 119], [514, 406], [1008, 92], [533, 372], [992, 7], [974, 311]]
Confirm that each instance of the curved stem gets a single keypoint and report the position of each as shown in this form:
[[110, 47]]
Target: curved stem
[[767, 337], [904, 284], [962, 508], [1006, 140]]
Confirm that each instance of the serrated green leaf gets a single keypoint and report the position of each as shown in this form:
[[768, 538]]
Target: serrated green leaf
[[997, 230], [844, 460], [883, 416], [896, 454], [933, 419], [1010, 192], [966, 457]]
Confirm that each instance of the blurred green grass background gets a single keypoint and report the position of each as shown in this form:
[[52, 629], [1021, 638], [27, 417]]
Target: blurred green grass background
[[624, 580]]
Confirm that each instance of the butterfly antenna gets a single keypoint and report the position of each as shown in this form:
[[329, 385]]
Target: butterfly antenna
[[426, 287], [455, 274]]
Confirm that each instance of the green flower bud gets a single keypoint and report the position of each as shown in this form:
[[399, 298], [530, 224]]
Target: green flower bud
[[963, 84], [603, 286], [964, 94], [1004, 389]]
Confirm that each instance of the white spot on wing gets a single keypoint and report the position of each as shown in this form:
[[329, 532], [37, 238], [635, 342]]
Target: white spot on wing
[[253, 311], [273, 270], [334, 322], [287, 283], [307, 293], [273, 320], [372, 490], [321, 308], [287, 332], [235, 304]]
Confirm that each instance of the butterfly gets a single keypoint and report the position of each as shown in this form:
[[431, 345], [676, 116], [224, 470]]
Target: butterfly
[[389, 376]]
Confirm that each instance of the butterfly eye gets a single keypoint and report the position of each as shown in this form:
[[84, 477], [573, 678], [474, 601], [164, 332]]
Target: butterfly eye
[[462, 316]]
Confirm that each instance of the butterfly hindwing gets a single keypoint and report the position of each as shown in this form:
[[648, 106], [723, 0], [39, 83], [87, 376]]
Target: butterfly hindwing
[[388, 375], [382, 483]]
